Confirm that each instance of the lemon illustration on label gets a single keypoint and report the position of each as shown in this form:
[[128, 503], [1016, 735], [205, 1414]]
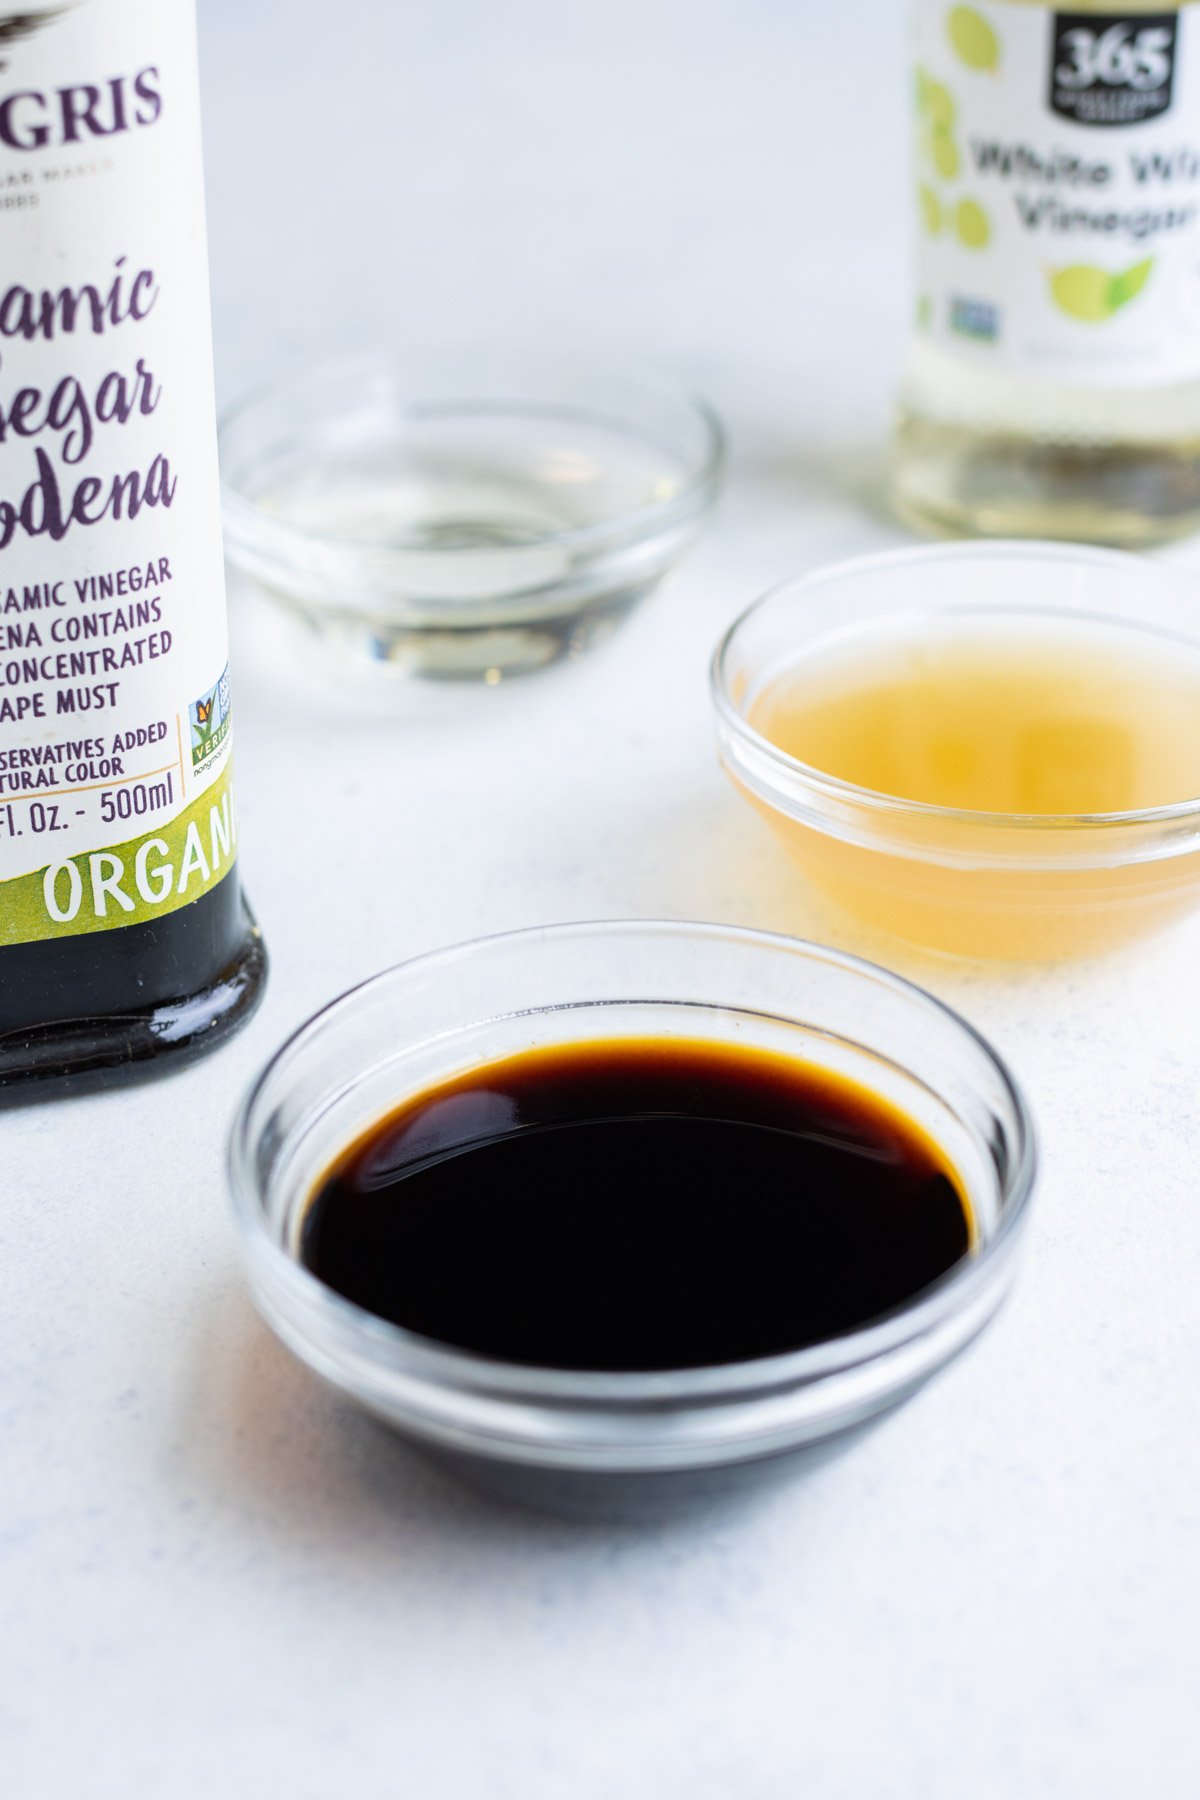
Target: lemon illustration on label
[[937, 104], [972, 225], [1093, 295], [931, 209], [937, 111], [973, 40], [944, 151]]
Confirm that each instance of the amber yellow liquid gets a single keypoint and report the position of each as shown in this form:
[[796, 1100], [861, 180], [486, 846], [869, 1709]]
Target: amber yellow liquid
[[1041, 725]]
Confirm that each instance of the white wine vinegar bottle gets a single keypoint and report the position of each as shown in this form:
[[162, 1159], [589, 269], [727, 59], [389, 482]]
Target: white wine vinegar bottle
[[1053, 384], [125, 947]]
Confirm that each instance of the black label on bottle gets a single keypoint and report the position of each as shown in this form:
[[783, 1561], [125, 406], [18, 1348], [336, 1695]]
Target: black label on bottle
[[1106, 69]]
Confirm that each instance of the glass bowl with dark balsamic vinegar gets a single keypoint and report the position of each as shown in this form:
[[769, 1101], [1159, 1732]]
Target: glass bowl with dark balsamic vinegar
[[612, 1214]]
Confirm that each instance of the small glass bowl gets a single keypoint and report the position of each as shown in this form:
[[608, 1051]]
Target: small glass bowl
[[465, 516], [601, 1442], [1012, 886]]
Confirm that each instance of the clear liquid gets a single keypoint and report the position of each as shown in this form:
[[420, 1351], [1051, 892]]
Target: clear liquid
[[476, 541], [980, 452], [496, 487]]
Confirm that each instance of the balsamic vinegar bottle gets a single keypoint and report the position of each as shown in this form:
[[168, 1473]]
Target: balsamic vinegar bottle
[[125, 945], [1053, 384]]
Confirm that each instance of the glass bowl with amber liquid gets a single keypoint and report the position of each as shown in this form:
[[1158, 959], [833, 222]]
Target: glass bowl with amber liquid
[[990, 750]]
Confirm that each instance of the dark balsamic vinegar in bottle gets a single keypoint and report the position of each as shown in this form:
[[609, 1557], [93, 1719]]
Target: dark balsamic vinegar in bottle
[[125, 944]]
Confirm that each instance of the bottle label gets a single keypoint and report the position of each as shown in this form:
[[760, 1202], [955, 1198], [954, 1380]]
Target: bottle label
[[1058, 190], [115, 796]]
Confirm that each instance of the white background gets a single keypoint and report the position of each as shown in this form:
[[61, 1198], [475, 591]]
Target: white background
[[215, 1578]]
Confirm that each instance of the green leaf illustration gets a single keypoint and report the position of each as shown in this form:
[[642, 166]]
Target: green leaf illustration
[[1128, 286], [973, 39]]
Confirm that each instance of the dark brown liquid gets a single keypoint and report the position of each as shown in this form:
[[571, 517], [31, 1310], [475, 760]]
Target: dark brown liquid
[[637, 1204]]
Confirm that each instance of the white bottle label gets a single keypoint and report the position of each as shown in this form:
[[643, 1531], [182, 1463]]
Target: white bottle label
[[1058, 190], [115, 803]]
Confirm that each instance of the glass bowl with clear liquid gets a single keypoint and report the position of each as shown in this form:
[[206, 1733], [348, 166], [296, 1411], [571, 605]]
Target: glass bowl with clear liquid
[[465, 516]]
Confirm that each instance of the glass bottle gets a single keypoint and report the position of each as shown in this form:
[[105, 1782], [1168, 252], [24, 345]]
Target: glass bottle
[[125, 944], [1053, 383]]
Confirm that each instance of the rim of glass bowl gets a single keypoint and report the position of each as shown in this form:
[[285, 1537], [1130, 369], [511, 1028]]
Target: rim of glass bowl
[[242, 514], [791, 771], [395, 1350]]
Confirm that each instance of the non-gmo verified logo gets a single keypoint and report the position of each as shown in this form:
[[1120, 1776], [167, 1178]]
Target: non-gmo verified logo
[[975, 319], [1112, 71], [209, 719]]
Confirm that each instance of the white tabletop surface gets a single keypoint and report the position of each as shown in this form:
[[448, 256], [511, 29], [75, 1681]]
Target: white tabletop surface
[[216, 1579]]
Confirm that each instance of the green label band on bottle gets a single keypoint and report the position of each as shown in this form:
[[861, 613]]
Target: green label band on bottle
[[143, 878]]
